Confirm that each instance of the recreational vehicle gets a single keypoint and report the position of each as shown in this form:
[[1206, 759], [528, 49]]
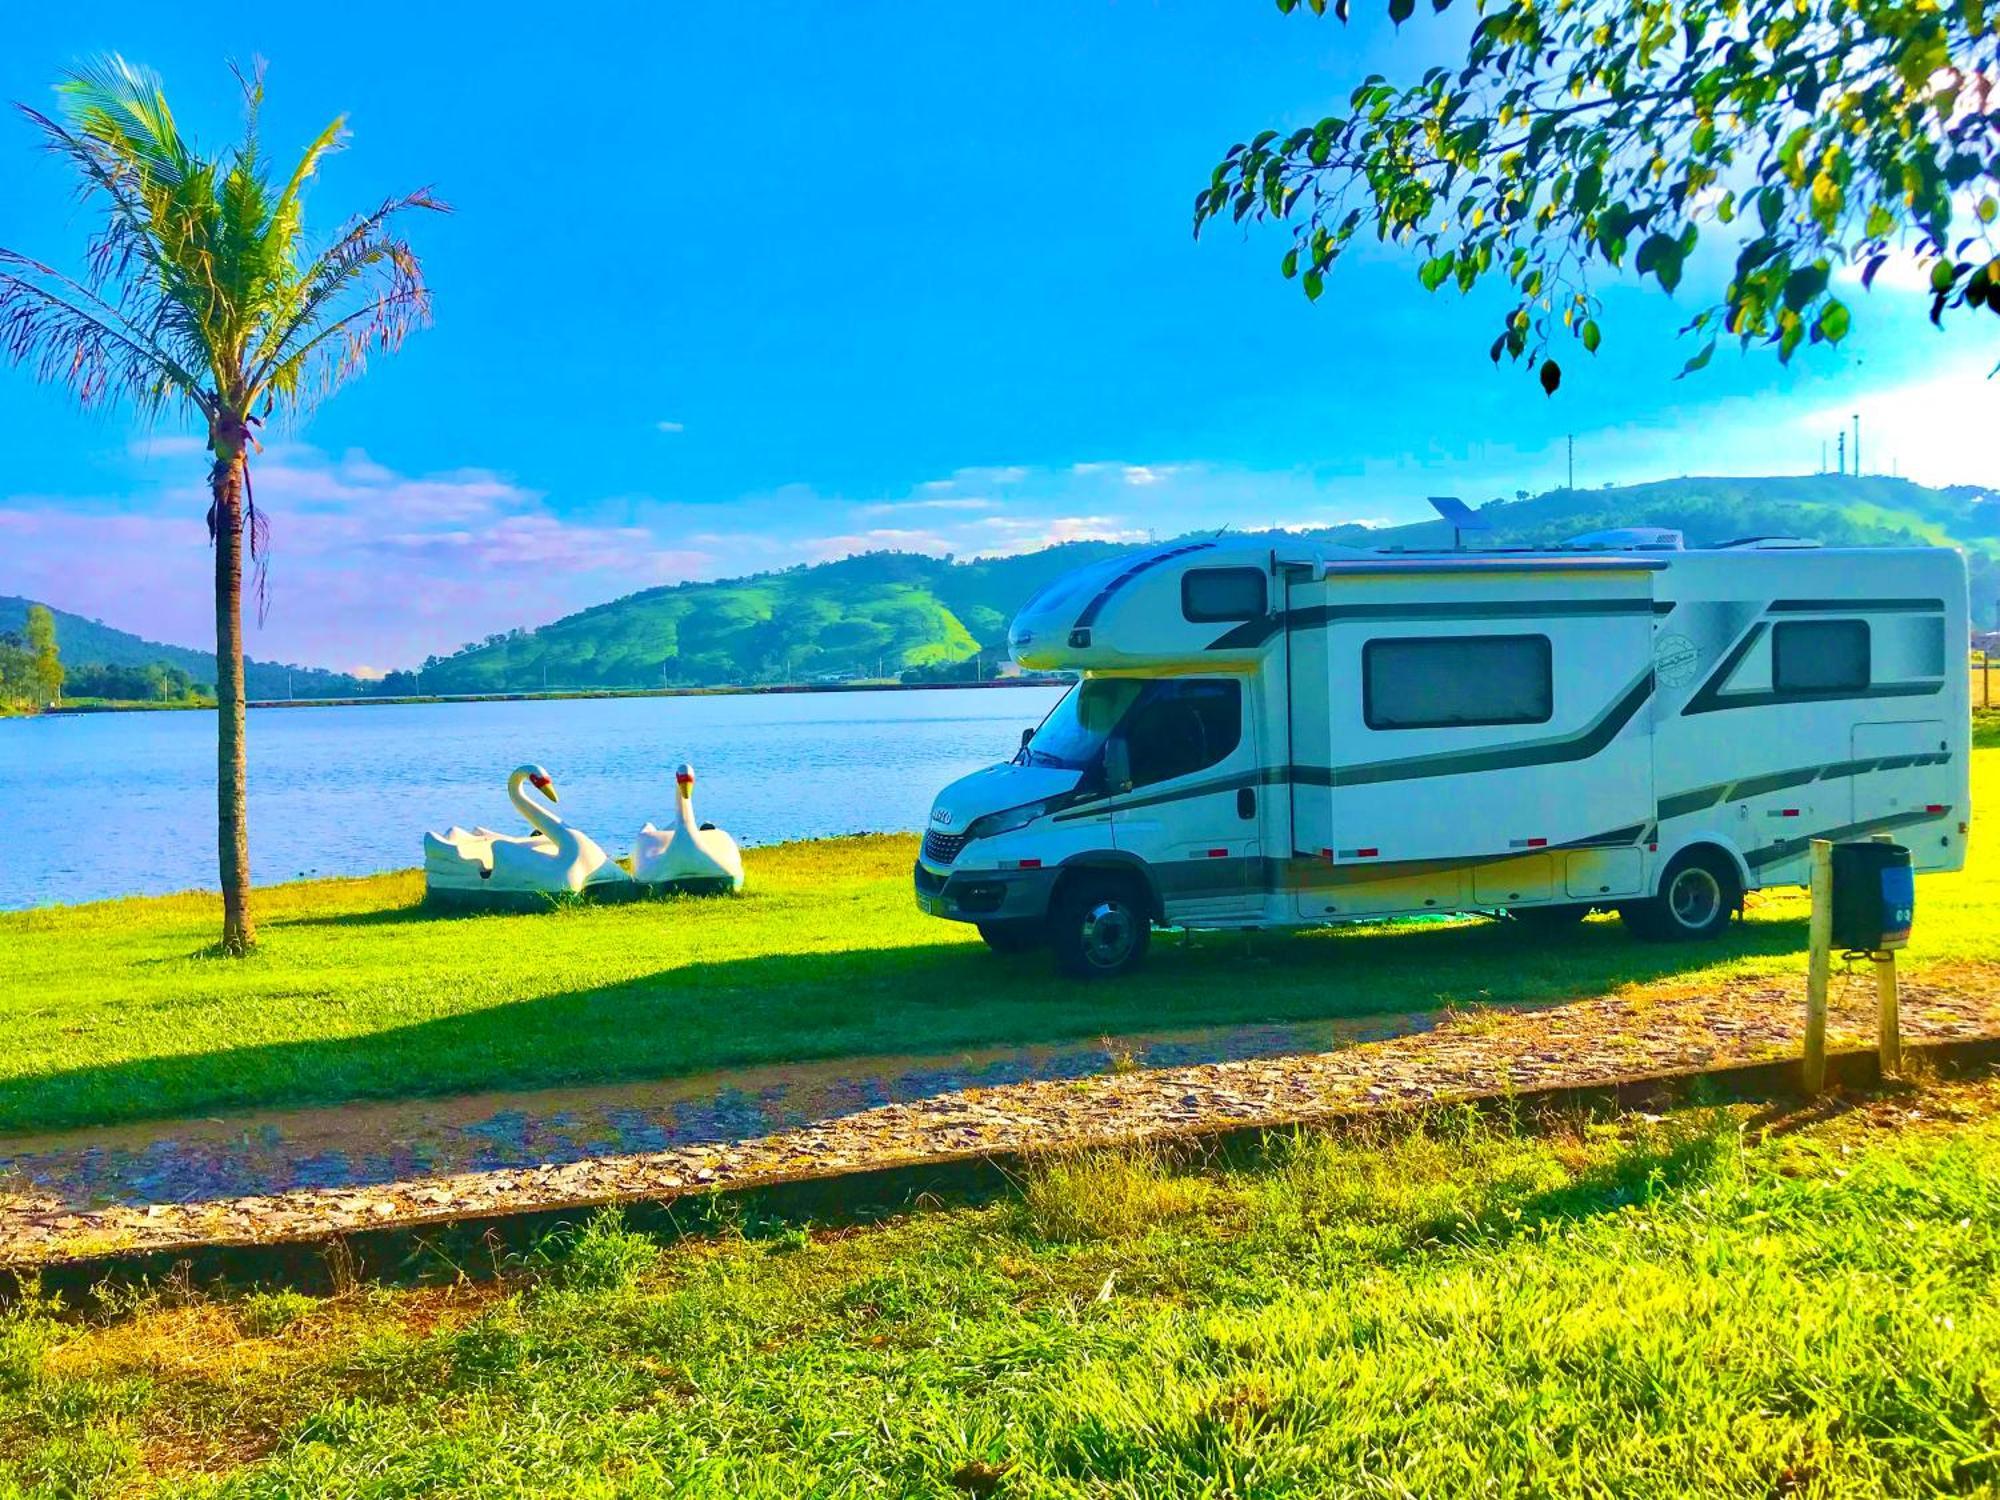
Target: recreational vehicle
[[1271, 737]]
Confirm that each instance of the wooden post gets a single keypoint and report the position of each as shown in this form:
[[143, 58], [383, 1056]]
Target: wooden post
[[1889, 1033], [1819, 964], [1888, 1020]]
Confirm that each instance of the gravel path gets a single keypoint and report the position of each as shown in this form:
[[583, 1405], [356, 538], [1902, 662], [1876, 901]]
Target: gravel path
[[1436, 1057]]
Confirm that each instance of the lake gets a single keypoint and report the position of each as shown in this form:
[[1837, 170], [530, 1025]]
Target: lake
[[122, 804]]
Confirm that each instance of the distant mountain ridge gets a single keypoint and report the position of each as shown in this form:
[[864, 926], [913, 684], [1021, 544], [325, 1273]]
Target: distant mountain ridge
[[886, 612], [85, 642]]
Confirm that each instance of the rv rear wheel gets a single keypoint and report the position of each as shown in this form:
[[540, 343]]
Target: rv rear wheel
[[1100, 926], [1013, 937], [1697, 895]]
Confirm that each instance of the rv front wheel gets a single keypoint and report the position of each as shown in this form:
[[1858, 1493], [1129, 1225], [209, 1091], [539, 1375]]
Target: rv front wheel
[[1697, 895], [1100, 926]]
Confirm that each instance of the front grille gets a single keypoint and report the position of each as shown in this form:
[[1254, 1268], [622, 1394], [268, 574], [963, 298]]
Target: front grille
[[943, 847]]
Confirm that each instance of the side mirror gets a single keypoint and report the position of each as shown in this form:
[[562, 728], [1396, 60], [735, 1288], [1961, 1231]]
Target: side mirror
[[1027, 735], [1117, 766]]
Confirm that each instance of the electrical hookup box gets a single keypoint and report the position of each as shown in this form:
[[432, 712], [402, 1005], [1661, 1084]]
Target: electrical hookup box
[[1874, 897]]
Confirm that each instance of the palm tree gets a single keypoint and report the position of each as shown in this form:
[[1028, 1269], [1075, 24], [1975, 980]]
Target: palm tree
[[201, 294]]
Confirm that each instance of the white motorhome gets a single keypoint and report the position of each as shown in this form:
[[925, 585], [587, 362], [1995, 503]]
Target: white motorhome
[[1270, 737]]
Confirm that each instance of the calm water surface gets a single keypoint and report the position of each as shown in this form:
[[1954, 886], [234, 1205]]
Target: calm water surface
[[118, 804]]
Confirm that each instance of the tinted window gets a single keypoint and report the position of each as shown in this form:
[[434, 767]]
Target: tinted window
[[1435, 683], [1182, 725], [1819, 656], [1223, 594]]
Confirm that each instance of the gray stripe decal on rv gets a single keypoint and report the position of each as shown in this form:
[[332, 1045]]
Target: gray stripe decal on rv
[[1785, 849], [1096, 605], [1718, 702], [1679, 804], [1856, 606], [1316, 616]]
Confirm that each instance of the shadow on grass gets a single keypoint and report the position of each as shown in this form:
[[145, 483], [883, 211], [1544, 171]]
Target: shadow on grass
[[528, 903], [800, 1007]]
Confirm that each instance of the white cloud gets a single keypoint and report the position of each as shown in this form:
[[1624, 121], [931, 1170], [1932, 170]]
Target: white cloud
[[671, 426]]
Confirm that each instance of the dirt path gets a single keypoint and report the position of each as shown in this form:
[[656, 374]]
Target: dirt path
[[567, 1146]]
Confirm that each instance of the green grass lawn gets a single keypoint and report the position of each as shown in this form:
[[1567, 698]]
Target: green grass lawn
[[1647, 1308], [115, 1011]]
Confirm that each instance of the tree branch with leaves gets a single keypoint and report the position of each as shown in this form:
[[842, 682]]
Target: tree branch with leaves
[[1806, 135]]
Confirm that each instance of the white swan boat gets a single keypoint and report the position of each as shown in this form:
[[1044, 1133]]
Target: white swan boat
[[688, 856], [483, 866]]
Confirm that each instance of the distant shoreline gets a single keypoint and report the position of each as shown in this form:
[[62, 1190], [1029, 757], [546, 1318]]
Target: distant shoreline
[[564, 694]]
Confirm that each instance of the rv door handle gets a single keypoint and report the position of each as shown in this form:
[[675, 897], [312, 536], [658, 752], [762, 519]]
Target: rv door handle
[[1246, 802]]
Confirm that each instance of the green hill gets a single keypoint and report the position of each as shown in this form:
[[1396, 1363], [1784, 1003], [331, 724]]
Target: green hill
[[93, 643], [883, 612], [878, 614]]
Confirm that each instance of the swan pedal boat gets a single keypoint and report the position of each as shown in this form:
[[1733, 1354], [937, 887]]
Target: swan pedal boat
[[485, 869], [688, 856]]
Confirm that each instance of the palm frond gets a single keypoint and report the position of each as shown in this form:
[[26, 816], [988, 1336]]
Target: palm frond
[[323, 338], [81, 342], [125, 107], [330, 140]]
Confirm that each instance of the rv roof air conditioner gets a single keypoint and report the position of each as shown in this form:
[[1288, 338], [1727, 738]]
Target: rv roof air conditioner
[[1627, 539]]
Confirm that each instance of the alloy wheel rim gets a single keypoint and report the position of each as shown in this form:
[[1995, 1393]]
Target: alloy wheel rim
[[1108, 934], [1695, 897]]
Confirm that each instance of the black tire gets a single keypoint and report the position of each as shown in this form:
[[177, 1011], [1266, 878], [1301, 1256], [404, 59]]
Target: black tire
[[1018, 936], [1698, 894], [1100, 926], [1548, 921]]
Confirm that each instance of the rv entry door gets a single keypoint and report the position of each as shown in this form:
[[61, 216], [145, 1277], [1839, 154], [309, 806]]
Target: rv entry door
[[1190, 814]]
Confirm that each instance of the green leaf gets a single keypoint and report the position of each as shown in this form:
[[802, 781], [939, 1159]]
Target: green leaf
[[1989, 209], [1551, 376], [1770, 208], [1661, 254], [1434, 271], [1591, 336], [1289, 266], [1314, 284], [1589, 183], [1942, 275], [1700, 361], [1804, 284], [1833, 320], [1401, 10]]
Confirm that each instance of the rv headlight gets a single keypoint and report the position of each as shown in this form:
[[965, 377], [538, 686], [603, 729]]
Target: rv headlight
[[1005, 822]]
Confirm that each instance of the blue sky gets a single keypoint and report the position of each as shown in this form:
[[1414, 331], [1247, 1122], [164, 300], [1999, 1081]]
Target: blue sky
[[734, 286]]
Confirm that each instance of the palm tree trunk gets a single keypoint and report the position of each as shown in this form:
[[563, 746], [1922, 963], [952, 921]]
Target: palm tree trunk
[[232, 824]]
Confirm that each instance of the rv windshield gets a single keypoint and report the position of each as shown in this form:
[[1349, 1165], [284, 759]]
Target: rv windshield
[[1073, 734]]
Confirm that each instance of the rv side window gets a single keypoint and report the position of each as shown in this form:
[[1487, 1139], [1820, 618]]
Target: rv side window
[[1215, 594], [1183, 725], [1814, 657], [1433, 682]]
